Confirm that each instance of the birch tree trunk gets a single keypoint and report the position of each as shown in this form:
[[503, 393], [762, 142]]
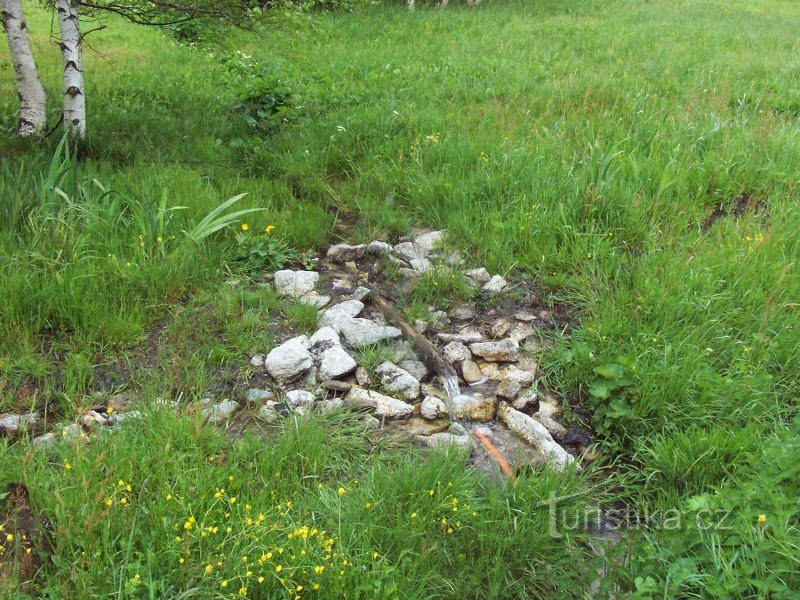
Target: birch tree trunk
[[32, 99], [72, 60]]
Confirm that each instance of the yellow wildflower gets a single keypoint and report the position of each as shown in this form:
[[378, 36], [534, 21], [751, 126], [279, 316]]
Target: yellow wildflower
[[269, 228], [342, 491], [762, 520], [245, 227]]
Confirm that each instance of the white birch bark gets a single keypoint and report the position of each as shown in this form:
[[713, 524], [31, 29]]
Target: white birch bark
[[72, 60], [32, 99]]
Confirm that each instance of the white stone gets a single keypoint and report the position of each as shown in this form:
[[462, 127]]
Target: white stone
[[344, 252], [474, 408], [465, 336], [480, 275], [445, 440], [556, 429], [362, 377], [45, 440], [348, 308], [295, 283], [526, 400], [378, 248], [259, 395], [417, 368], [117, 418], [463, 313], [500, 351], [500, 328], [362, 332], [290, 359], [323, 339], [496, 284], [421, 265], [297, 398], [398, 381], [314, 299], [471, 372], [515, 379], [13, 423], [456, 352], [268, 413], [432, 408], [220, 412], [336, 362], [257, 361], [409, 251], [325, 406], [536, 434], [360, 294], [381, 406], [429, 241]]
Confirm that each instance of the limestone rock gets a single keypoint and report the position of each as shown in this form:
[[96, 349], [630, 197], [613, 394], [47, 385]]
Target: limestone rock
[[344, 252], [471, 372], [360, 293], [295, 284], [535, 434], [397, 380], [514, 381], [456, 352], [315, 299], [13, 423], [416, 368], [496, 284], [445, 440], [500, 328], [381, 406], [556, 429], [268, 413], [409, 251], [257, 361], [325, 406], [220, 412], [259, 395], [378, 248], [324, 339], [433, 408], [500, 351], [297, 398], [290, 359], [336, 362], [333, 385], [465, 336], [428, 242], [340, 311], [362, 377], [463, 313], [526, 400], [363, 332], [480, 275], [421, 265], [474, 408]]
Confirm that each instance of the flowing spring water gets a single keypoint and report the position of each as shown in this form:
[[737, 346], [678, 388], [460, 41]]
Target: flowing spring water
[[450, 384]]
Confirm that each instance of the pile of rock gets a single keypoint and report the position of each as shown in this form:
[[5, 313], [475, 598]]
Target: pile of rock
[[490, 352]]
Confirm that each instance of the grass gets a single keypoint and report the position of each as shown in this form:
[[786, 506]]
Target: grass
[[582, 146]]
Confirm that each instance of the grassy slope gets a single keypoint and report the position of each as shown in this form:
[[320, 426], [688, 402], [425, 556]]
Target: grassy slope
[[583, 145]]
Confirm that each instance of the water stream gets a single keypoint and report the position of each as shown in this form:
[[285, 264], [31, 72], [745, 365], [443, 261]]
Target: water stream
[[450, 384]]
